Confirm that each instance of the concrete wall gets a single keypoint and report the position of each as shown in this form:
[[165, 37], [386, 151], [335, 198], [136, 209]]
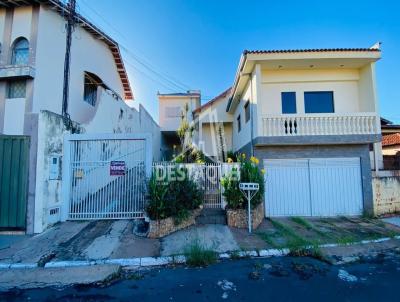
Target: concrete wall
[[242, 137], [112, 115], [343, 84], [211, 141], [87, 54], [177, 104], [48, 193], [386, 194], [391, 150], [209, 119]]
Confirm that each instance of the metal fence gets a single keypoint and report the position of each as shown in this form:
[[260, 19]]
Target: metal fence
[[106, 178], [207, 176]]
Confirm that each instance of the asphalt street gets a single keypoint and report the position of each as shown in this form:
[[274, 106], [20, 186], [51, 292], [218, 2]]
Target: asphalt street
[[272, 279]]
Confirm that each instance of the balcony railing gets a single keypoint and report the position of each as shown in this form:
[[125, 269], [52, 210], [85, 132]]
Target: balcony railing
[[320, 124]]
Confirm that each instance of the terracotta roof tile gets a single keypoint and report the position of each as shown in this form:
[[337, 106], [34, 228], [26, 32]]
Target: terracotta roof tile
[[310, 50], [390, 140]]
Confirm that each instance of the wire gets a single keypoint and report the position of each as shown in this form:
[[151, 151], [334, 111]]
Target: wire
[[142, 61]]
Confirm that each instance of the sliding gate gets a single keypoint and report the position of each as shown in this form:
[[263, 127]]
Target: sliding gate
[[106, 176]]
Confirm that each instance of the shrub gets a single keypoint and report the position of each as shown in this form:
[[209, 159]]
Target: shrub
[[249, 172], [199, 256], [173, 197]]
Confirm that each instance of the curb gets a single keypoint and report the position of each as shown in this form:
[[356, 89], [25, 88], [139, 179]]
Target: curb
[[178, 259]]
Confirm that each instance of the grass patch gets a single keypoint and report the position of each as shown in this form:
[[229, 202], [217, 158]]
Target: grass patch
[[199, 256], [234, 255], [308, 225], [346, 239], [267, 238], [304, 223]]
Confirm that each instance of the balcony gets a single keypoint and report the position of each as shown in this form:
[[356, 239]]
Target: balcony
[[16, 72], [363, 123]]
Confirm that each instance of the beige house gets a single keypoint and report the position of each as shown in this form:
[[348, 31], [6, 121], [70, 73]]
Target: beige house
[[391, 144], [214, 127], [172, 108]]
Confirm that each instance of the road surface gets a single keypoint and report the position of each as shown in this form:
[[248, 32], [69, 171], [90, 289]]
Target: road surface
[[272, 279]]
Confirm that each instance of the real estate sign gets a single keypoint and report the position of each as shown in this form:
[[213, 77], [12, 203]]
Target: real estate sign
[[117, 168]]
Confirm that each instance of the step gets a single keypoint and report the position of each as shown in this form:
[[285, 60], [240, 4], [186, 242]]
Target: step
[[211, 216]]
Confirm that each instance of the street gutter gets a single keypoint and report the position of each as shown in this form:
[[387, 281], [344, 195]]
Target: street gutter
[[179, 259]]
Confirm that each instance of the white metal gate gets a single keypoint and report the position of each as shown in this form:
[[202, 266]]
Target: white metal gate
[[313, 187], [208, 177], [105, 175]]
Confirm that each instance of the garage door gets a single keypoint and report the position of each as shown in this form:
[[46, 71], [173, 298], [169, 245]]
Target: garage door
[[313, 187]]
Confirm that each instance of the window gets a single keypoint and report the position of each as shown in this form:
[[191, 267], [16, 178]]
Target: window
[[247, 111], [90, 90], [20, 52], [173, 112], [239, 124], [16, 89], [318, 102], [288, 102]]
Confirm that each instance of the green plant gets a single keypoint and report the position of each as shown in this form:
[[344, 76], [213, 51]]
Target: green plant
[[199, 256], [249, 172], [346, 239], [234, 255], [308, 225], [173, 197]]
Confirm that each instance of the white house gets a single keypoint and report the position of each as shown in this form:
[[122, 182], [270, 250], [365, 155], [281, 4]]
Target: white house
[[33, 46], [310, 116]]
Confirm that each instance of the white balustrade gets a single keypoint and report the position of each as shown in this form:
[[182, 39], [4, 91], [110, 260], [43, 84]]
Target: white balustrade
[[319, 124]]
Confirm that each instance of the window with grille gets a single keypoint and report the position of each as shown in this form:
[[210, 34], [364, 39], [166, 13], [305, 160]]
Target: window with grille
[[90, 90], [20, 52], [16, 89], [173, 112]]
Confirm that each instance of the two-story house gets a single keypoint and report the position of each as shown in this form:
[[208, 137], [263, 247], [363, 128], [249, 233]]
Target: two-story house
[[32, 60], [310, 116], [173, 107]]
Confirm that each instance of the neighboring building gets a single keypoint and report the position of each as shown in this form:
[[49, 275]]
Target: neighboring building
[[388, 127], [172, 108], [33, 45], [313, 115], [391, 144], [214, 127]]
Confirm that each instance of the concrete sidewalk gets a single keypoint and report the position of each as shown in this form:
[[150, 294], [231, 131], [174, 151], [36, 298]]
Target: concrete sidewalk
[[77, 241], [107, 240], [56, 277]]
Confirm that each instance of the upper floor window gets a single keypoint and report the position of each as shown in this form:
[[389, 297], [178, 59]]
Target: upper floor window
[[318, 102], [16, 89], [20, 52], [91, 83], [247, 111], [173, 112], [288, 102], [239, 123]]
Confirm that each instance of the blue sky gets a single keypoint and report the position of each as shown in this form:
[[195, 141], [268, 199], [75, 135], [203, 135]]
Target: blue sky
[[171, 45]]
